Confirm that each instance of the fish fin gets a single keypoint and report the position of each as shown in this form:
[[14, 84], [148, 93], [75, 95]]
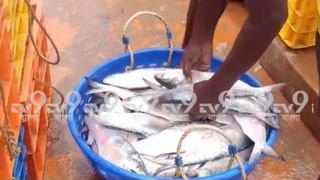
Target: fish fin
[[94, 84], [202, 164], [256, 152], [271, 121], [163, 83], [97, 87], [274, 87], [268, 150], [99, 91], [95, 91], [151, 84], [95, 147], [166, 155]]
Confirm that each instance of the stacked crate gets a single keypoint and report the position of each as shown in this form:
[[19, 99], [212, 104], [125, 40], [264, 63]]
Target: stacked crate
[[35, 72], [9, 83], [22, 73], [16, 15], [301, 26]]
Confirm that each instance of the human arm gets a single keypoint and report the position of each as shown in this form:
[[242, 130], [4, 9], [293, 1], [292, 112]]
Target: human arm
[[265, 20], [202, 18]]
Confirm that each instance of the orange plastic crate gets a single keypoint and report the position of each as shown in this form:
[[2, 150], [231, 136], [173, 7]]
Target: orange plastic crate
[[48, 90], [15, 121], [30, 57], [8, 84], [5, 163], [44, 122], [40, 154], [27, 74], [40, 74], [6, 58], [36, 161], [38, 62], [13, 99], [32, 125]]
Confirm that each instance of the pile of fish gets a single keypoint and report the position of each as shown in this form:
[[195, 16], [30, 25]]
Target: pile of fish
[[129, 126]]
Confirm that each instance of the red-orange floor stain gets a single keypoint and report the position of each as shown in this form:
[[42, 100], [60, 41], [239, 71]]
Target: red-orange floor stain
[[63, 32]]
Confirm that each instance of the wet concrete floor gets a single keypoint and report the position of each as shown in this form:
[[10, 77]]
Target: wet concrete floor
[[87, 32]]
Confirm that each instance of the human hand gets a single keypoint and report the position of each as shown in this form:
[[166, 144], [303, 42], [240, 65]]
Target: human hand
[[196, 56], [205, 94]]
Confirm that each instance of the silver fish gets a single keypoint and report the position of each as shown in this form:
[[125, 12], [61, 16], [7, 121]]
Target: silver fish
[[261, 92], [255, 129], [251, 105], [140, 123], [134, 79], [101, 88], [174, 80], [105, 103], [177, 79], [115, 149], [148, 104], [179, 85], [185, 93], [200, 146], [113, 115], [143, 119]]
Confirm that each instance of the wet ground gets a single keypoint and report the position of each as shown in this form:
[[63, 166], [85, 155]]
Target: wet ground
[[88, 32]]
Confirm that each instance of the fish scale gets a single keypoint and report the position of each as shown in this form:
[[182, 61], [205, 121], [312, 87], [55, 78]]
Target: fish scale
[[198, 147]]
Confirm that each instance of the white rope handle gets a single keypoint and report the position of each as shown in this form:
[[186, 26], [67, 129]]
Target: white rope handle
[[126, 41], [180, 171]]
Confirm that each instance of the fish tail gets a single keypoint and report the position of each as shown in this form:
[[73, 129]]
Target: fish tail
[[151, 84], [268, 150], [256, 152], [94, 91], [274, 87], [93, 84], [270, 120], [273, 122]]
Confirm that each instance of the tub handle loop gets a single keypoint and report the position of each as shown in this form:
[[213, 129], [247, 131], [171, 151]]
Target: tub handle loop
[[126, 39], [233, 153]]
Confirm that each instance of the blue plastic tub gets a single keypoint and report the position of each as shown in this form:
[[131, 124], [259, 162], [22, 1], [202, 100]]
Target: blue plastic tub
[[154, 57]]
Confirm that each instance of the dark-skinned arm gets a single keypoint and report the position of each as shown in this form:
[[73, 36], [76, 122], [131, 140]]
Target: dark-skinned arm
[[202, 19], [265, 20], [190, 20]]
